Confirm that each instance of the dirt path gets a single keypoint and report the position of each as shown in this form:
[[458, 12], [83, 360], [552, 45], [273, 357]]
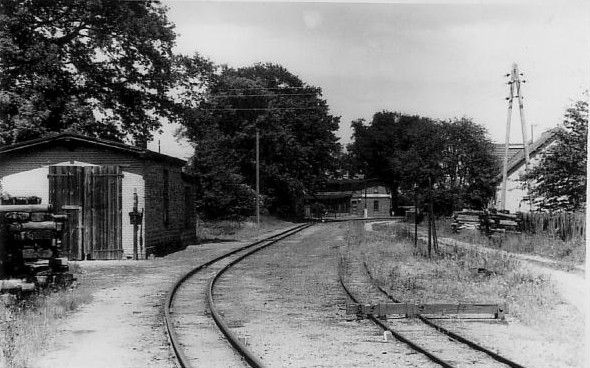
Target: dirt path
[[292, 313], [123, 325]]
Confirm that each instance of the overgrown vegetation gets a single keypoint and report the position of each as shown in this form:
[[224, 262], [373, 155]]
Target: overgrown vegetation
[[455, 275], [26, 323], [543, 243], [234, 229]]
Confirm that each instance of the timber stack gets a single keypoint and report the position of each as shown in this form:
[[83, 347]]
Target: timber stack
[[31, 246], [487, 221]]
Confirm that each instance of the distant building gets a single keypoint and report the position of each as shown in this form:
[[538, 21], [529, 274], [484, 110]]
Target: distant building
[[350, 197], [105, 180], [517, 198]]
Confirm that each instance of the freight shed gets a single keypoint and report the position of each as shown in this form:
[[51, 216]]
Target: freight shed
[[99, 183]]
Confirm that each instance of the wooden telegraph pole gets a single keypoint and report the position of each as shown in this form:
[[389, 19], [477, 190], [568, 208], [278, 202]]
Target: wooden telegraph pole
[[257, 179], [515, 91]]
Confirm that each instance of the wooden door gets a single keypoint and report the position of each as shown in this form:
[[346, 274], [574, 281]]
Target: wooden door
[[98, 191], [102, 212], [66, 189]]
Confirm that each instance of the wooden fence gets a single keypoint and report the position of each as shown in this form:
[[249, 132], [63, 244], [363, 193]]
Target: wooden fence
[[566, 226]]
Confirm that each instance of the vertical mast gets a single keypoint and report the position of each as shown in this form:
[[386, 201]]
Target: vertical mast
[[514, 84]]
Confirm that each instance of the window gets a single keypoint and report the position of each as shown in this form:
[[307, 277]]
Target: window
[[188, 207], [166, 198], [376, 206]]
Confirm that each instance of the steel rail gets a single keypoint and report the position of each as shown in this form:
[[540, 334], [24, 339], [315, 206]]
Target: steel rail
[[181, 357], [234, 340], [397, 335], [449, 333]]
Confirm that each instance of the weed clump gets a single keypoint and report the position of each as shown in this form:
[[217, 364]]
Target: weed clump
[[25, 323]]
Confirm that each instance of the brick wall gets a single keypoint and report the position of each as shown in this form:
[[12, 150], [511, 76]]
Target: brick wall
[[165, 221]]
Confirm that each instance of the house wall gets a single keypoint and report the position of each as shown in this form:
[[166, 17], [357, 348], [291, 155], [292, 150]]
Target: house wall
[[167, 227], [378, 202], [516, 195]]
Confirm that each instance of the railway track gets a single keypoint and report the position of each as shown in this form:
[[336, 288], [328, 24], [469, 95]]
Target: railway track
[[193, 321], [422, 334]]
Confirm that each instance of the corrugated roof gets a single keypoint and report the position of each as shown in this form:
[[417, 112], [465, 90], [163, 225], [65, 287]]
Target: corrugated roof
[[78, 138]]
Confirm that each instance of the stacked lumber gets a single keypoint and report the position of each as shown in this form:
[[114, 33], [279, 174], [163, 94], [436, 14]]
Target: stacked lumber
[[466, 219], [488, 221]]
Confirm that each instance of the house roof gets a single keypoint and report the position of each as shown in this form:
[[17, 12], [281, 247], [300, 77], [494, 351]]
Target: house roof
[[78, 139], [513, 149], [348, 185], [518, 159]]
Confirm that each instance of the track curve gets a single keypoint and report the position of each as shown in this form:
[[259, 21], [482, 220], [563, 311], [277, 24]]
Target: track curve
[[234, 256]]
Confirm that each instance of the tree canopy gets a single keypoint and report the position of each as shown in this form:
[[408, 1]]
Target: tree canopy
[[102, 68], [297, 141], [558, 182], [408, 151]]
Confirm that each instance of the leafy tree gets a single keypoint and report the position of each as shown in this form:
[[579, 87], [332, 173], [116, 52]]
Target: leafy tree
[[297, 142], [559, 181], [101, 67], [408, 151], [221, 188], [402, 150], [469, 166]]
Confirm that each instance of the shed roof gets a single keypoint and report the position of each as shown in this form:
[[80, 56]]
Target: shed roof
[[78, 139]]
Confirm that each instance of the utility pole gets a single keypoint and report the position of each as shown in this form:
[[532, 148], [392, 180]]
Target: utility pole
[[515, 91], [366, 210], [257, 179]]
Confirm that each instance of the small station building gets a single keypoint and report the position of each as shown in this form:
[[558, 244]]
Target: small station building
[[350, 197], [123, 201]]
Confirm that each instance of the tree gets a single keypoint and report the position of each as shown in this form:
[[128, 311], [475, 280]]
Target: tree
[[401, 150], [469, 166], [559, 181], [407, 152], [101, 67], [297, 142]]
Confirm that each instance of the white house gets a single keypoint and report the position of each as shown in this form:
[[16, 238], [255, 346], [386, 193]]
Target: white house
[[517, 198]]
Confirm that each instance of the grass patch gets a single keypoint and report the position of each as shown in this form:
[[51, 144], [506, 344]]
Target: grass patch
[[26, 323], [457, 275], [542, 244], [230, 230]]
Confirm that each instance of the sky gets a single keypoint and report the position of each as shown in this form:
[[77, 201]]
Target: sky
[[436, 59]]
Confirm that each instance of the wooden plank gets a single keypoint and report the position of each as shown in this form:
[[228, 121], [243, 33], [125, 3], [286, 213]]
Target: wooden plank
[[88, 215], [26, 208], [409, 309]]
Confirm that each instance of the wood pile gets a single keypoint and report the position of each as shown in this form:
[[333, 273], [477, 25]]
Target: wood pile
[[489, 221]]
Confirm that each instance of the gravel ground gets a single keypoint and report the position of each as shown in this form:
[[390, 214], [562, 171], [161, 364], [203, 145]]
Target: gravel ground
[[290, 314], [123, 326]]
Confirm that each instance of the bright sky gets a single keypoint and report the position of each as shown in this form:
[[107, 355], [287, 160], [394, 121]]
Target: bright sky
[[435, 59]]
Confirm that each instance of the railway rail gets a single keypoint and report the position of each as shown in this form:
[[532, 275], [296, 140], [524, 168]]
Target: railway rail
[[194, 292], [440, 345]]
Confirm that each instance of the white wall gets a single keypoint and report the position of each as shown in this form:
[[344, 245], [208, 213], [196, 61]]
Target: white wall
[[27, 184], [36, 183], [132, 182]]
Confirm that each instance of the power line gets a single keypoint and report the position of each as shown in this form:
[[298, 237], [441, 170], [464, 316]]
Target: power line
[[264, 108], [268, 88], [265, 95]]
